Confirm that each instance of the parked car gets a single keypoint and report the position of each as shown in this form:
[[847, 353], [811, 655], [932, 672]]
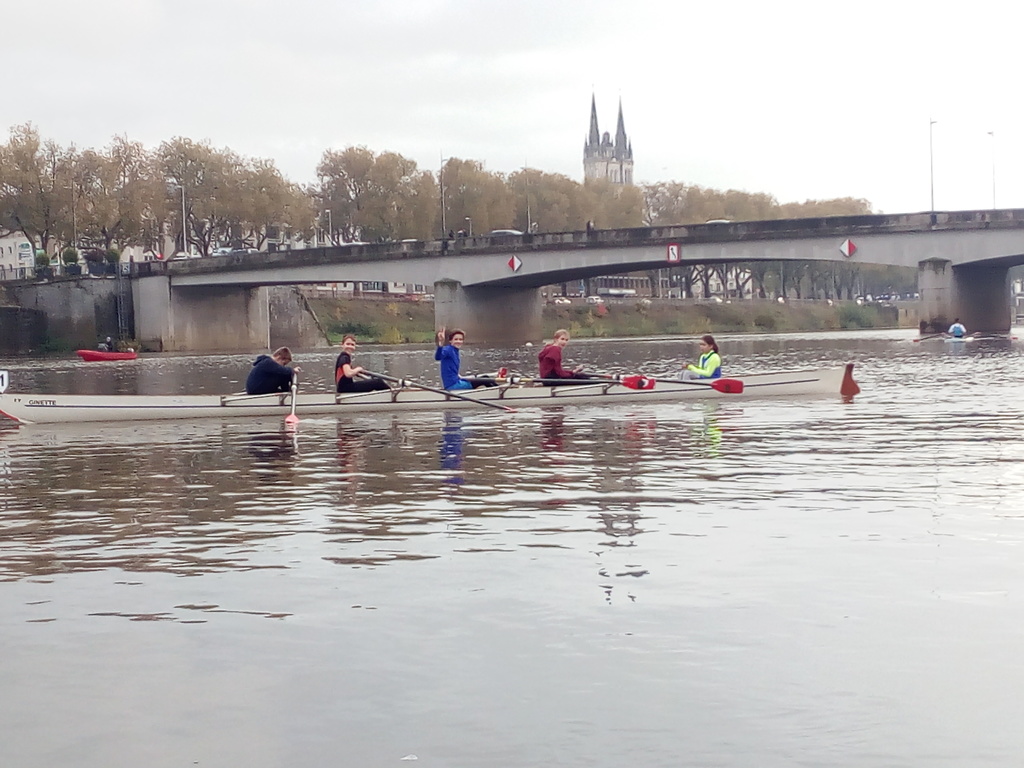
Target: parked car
[[236, 251], [594, 300], [503, 232], [222, 251], [562, 300]]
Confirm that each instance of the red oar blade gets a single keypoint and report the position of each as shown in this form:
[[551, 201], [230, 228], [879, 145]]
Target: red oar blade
[[727, 386], [637, 382], [849, 388]]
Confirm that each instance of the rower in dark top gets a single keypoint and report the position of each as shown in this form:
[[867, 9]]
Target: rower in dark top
[[271, 373], [550, 363], [345, 372]]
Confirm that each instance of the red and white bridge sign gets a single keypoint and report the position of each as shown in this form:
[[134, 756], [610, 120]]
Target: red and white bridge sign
[[847, 248], [673, 254], [515, 263]]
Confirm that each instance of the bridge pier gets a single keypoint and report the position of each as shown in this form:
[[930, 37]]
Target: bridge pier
[[214, 318], [978, 294], [494, 314]]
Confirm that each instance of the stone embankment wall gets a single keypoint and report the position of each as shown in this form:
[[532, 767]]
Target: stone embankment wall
[[78, 311], [22, 331]]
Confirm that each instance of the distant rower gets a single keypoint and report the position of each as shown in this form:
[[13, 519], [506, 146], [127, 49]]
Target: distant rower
[[957, 330]]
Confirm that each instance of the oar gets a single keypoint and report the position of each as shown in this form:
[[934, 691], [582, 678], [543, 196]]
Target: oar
[[725, 386], [933, 336], [291, 418], [409, 383]]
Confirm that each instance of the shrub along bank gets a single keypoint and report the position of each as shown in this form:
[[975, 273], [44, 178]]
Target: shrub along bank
[[398, 322]]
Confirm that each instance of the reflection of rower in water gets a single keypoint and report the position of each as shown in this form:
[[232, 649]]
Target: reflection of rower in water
[[452, 440], [351, 445], [345, 372], [552, 431], [707, 435], [275, 453]]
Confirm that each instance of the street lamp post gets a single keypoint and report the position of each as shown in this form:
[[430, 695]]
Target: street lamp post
[[330, 227], [74, 217], [184, 222], [993, 135], [470, 227], [931, 160], [440, 181], [529, 217]]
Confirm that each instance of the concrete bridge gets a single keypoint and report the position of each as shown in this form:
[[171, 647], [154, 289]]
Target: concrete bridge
[[490, 285]]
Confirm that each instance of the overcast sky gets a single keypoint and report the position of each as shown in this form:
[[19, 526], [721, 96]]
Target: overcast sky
[[802, 100]]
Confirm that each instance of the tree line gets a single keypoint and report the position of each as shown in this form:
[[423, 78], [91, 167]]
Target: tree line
[[205, 197]]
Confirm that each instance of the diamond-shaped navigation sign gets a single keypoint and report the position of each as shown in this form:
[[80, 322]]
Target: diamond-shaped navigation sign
[[848, 248], [515, 263]]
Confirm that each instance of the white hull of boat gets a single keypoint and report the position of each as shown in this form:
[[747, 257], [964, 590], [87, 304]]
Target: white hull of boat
[[55, 409]]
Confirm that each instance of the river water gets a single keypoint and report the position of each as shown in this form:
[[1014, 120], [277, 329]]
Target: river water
[[741, 583]]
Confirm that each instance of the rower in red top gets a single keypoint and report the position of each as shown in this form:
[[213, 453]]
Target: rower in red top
[[550, 360]]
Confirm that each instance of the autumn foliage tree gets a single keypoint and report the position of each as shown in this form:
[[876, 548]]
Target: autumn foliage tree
[[204, 197]]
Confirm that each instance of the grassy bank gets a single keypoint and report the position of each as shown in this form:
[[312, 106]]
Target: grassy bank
[[374, 320], [739, 317], [397, 322]]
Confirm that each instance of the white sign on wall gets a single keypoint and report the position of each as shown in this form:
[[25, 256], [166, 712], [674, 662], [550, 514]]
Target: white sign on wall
[[673, 254], [3, 381]]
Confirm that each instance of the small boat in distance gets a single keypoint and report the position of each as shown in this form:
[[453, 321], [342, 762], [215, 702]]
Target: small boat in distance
[[96, 355]]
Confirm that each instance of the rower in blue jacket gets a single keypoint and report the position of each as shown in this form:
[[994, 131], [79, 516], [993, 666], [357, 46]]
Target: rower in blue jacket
[[447, 353]]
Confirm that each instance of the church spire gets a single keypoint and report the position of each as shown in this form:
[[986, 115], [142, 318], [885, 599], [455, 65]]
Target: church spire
[[621, 147], [595, 137]]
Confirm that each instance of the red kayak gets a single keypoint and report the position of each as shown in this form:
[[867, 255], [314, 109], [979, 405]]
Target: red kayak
[[94, 355]]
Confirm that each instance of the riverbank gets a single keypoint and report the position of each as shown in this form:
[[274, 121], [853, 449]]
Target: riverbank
[[403, 321]]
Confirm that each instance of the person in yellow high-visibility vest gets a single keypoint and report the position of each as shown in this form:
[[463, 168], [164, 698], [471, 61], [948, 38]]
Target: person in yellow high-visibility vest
[[709, 365]]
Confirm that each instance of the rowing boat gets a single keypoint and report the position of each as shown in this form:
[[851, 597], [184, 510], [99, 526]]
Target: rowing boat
[[53, 409], [96, 355]]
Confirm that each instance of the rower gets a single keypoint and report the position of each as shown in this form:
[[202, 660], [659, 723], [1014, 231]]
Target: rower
[[709, 366], [449, 345], [550, 363], [957, 329], [271, 373]]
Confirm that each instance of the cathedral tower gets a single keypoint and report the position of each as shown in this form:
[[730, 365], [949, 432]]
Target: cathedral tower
[[603, 159]]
